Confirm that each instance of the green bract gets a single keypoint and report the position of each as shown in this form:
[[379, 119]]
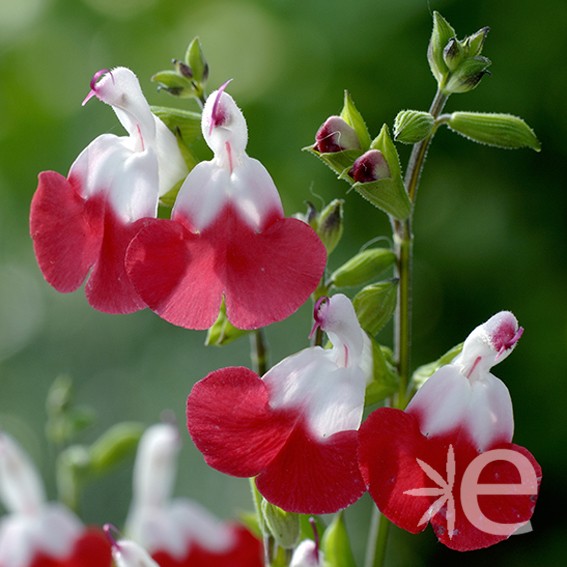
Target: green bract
[[501, 130], [352, 117]]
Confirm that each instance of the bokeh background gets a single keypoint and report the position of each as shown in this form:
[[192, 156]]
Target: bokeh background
[[490, 224]]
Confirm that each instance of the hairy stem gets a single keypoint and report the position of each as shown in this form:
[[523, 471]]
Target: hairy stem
[[403, 248]]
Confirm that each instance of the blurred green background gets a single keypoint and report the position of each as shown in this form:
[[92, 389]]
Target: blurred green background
[[490, 224]]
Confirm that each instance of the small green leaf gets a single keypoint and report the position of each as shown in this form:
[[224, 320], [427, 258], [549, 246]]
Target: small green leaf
[[336, 544], [500, 130], [375, 304], [363, 267], [187, 123], [352, 116]]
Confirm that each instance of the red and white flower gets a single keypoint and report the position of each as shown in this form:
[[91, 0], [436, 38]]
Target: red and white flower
[[228, 238], [85, 222], [294, 429], [179, 532], [35, 533], [437, 461]]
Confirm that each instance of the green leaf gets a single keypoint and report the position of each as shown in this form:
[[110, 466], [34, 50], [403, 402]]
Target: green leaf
[[363, 267], [375, 304], [385, 378], [500, 130], [187, 123], [336, 544], [352, 117]]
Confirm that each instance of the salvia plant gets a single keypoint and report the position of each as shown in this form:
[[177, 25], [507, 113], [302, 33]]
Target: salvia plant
[[145, 220]]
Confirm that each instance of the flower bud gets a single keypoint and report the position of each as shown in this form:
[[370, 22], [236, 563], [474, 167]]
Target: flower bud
[[468, 75], [363, 267], [501, 130], [412, 126], [113, 445], [335, 135], [370, 166], [307, 555], [330, 224], [475, 42], [453, 54], [284, 526], [375, 304]]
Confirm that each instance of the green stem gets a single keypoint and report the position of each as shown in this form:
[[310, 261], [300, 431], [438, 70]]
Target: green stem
[[259, 352], [403, 248], [376, 551]]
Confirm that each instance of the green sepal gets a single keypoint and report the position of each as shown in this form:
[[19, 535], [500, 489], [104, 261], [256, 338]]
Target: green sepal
[[363, 267], [387, 194], [467, 76], [375, 305], [422, 374], [385, 379], [330, 224], [117, 443], [352, 117], [474, 43], [223, 332], [283, 526], [500, 130], [195, 59], [174, 83], [412, 126], [339, 162], [336, 544], [441, 35]]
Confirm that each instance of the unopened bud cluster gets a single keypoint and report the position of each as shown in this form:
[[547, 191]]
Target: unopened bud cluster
[[189, 77], [457, 65]]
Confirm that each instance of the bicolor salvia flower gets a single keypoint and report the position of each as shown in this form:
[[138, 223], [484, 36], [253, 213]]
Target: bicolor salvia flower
[[294, 429], [36, 533], [179, 532], [227, 238], [127, 553], [83, 223], [448, 459]]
